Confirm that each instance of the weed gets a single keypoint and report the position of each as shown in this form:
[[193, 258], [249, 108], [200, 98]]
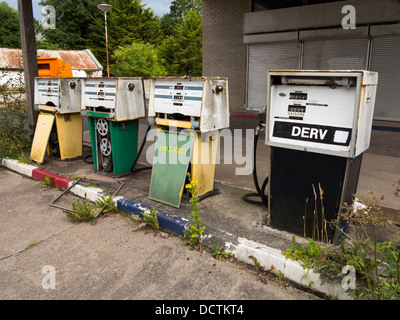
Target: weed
[[219, 252], [308, 253], [47, 182], [377, 264], [107, 204], [149, 216], [31, 245], [193, 233], [280, 275], [82, 212], [24, 158], [259, 268], [397, 194], [15, 136]]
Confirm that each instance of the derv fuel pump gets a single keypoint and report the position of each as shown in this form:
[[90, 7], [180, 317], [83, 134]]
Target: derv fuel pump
[[318, 125]]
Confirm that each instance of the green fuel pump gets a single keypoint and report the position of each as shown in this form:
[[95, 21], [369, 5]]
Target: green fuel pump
[[113, 107]]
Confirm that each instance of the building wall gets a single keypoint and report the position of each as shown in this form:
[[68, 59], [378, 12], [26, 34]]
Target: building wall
[[15, 77], [312, 38], [224, 53], [11, 77]]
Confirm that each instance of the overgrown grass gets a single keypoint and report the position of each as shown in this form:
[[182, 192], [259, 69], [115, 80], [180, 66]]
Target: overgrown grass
[[15, 136], [376, 264]]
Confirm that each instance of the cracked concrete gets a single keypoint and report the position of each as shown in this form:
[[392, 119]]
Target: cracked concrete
[[108, 260]]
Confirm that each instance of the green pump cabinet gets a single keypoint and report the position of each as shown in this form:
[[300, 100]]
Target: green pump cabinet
[[113, 107]]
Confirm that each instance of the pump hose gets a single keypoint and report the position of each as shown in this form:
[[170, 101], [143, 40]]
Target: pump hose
[[85, 159], [140, 151], [260, 191]]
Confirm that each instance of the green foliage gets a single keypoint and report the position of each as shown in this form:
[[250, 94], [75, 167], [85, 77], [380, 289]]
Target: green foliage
[[377, 264], [108, 204], [15, 136], [178, 10], [149, 216], [47, 45], [259, 268], [139, 43], [72, 20], [47, 182], [182, 51], [82, 212], [219, 252], [397, 194], [30, 245], [308, 253], [9, 27], [137, 60], [192, 235], [128, 22]]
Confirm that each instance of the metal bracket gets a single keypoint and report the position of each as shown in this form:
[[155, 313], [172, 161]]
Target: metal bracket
[[71, 186]]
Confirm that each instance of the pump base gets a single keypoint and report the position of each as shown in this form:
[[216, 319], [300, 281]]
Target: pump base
[[306, 189]]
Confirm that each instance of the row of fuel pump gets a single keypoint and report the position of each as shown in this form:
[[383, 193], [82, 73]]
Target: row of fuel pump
[[317, 127], [188, 114]]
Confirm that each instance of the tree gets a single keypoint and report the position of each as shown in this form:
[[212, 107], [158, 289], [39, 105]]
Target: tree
[[182, 51], [137, 60], [127, 22], [9, 27], [178, 10], [72, 20]]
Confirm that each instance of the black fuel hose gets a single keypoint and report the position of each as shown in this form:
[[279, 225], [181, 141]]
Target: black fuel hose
[[260, 191], [140, 151]]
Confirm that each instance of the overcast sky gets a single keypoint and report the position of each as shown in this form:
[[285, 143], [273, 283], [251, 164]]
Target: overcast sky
[[160, 7]]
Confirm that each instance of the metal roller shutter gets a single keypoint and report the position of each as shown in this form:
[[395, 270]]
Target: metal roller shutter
[[341, 54], [262, 58], [386, 61]]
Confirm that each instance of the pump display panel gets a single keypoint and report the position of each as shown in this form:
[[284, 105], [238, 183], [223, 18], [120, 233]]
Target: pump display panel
[[197, 103], [177, 96], [321, 112]]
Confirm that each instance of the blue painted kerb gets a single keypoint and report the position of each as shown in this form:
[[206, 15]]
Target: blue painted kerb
[[165, 220]]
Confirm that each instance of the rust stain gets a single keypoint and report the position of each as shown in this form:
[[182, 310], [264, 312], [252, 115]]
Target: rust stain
[[11, 58]]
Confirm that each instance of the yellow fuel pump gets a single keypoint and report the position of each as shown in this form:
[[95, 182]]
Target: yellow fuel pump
[[188, 113], [59, 127]]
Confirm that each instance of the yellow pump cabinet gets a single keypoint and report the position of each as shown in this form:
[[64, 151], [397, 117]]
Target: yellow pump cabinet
[[59, 126], [188, 113]]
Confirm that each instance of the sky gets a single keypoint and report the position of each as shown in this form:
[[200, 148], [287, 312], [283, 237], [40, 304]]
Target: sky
[[160, 7]]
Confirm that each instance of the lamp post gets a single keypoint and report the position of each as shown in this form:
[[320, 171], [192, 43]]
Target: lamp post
[[105, 8]]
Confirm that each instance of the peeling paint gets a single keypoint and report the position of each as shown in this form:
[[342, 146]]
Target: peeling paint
[[166, 220], [292, 270]]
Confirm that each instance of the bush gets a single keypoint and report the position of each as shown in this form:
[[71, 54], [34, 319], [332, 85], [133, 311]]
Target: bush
[[137, 60], [15, 136]]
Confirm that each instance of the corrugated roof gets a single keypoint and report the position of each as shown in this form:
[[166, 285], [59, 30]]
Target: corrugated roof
[[78, 59], [11, 58]]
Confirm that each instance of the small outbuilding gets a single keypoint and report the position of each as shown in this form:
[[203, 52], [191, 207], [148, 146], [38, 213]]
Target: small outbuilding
[[82, 62]]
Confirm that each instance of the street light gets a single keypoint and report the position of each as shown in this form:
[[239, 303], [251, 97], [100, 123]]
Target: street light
[[105, 8]]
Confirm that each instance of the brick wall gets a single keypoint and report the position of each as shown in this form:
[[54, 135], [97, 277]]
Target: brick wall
[[224, 53]]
